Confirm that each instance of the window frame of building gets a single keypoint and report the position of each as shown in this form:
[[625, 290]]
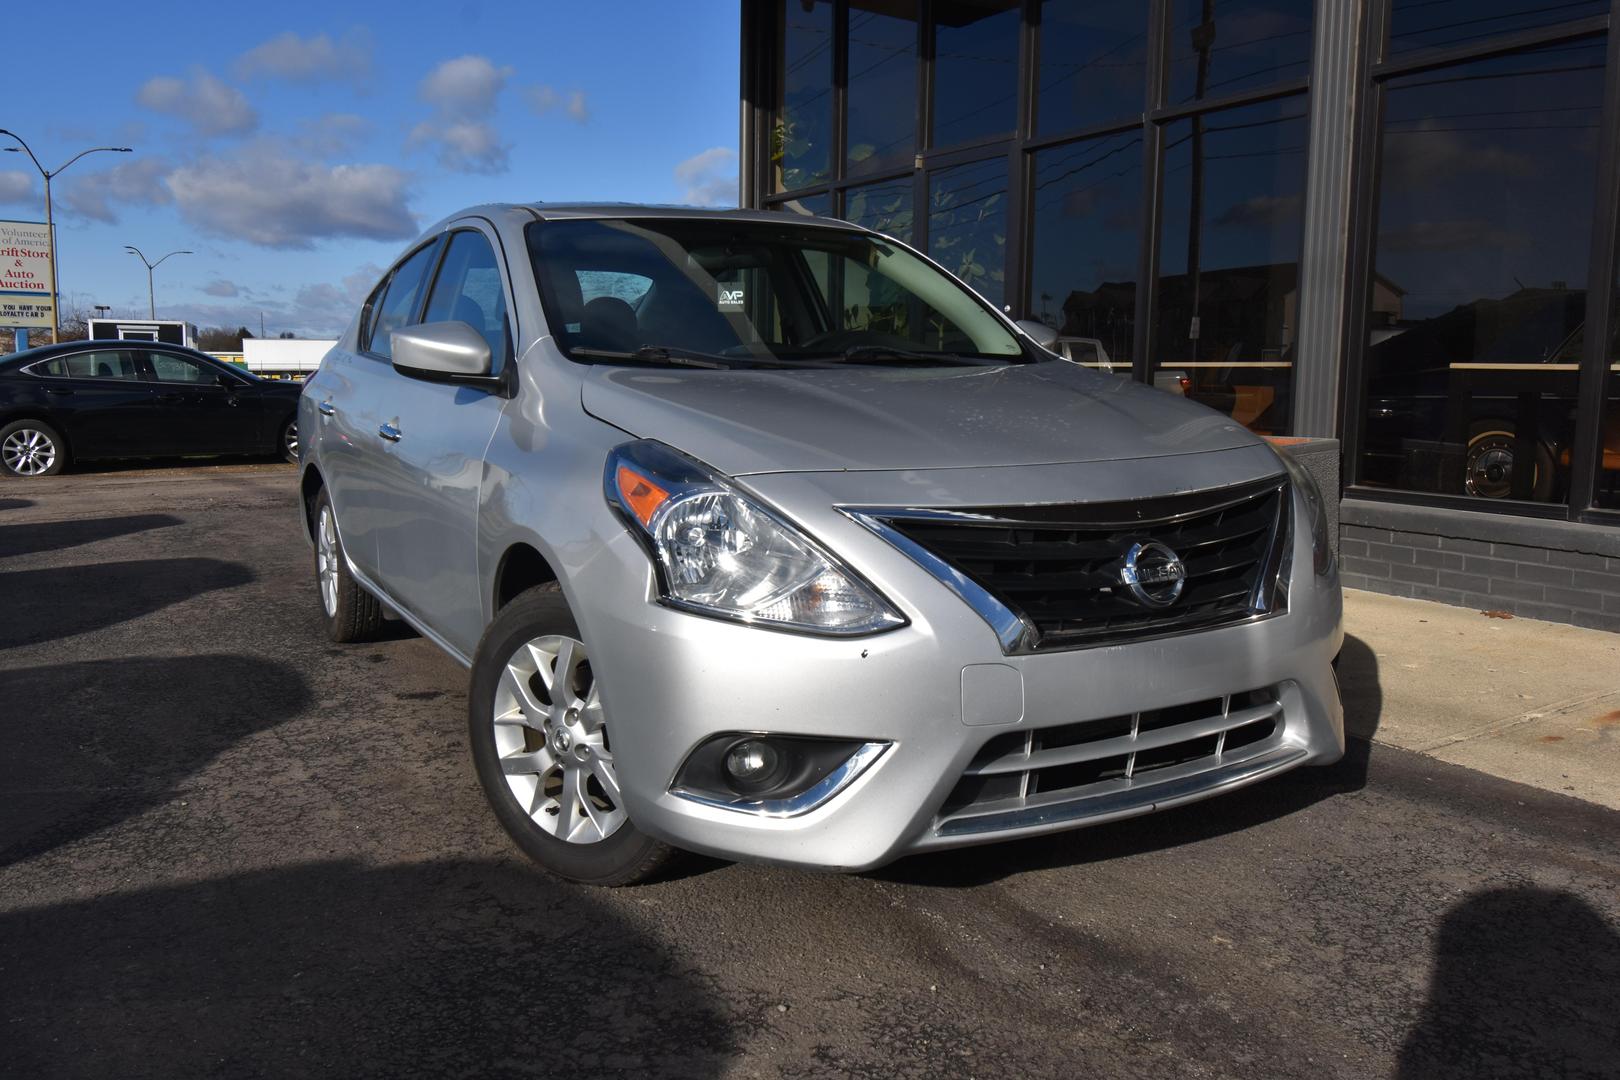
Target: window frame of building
[[1018, 148], [1381, 64]]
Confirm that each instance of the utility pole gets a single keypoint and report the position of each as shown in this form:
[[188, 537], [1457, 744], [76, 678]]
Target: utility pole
[[50, 224], [151, 300]]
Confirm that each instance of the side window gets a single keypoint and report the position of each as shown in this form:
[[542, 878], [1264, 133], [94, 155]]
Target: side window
[[105, 364], [469, 290], [178, 369], [398, 305]]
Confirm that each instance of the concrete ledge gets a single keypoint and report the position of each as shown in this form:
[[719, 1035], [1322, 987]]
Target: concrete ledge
[[1486, 527]]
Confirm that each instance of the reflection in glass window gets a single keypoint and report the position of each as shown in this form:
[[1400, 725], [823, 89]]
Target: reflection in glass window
[[1479, 299], [469, 290], [975, 69], [1086, 240], [1427, 24], [882, 85], [801, 141], [808, 205], [90, 365], [1608, 477], [884, 208], [1091, 60], [178, 369], [967, 224], [1234, 184], [397, 308], [1220, 48]]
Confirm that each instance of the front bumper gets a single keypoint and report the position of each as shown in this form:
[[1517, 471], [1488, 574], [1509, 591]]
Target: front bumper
[[670, 680]]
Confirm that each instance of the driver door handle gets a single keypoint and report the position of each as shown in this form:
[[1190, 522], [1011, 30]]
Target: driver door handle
[[390, 432], [326, 408]]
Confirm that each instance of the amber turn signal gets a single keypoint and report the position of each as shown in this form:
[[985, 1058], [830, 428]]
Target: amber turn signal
[[641, 495]]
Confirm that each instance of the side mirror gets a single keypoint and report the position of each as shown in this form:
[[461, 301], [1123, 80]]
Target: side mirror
[[448, 351], [1039, 333], [226, 381]]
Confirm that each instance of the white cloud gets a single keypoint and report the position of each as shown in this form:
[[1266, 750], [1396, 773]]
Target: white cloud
[[333, 133], [221, 287], [543, 99], [312, 59], [137, 182], [203, 101], [709, 178], [463, 93], [16, 186], [320, 309], [267, 197], [464, 145], [465, 88]]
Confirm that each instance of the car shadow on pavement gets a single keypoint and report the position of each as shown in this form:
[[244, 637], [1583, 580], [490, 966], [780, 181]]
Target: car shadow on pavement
[[90, 744], [1230, 812], [15, 504], [1526, 983], [454, 968], [60, 601], [57, 535]]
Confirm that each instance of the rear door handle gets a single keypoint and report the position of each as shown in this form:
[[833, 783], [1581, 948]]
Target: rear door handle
[[64, 391], [390, 432], [326, 408]]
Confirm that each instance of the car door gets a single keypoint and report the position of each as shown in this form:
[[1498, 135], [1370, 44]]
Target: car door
[[351, 393], [203, 414], [430, 554], [103, 405]]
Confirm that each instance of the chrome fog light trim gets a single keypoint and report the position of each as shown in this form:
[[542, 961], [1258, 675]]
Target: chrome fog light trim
[[864, 757]]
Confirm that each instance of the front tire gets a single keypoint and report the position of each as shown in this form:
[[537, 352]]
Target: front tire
[[542, 750], [351, 613], [1492, 461], [30, 448]]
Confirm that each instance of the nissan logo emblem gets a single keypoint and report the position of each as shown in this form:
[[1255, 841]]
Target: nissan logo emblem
[[1153, 573]]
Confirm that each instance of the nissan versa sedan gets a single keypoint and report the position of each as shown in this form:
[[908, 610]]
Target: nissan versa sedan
[[82, 400], [765, 537]]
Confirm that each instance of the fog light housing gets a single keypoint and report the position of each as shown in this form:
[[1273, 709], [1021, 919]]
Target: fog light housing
[[772, 775]]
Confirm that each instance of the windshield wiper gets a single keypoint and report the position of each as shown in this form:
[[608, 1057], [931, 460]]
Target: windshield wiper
[[657, 354], [888, 352]]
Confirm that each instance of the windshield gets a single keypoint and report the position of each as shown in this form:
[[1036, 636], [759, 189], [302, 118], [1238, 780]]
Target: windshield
[[740, 293]]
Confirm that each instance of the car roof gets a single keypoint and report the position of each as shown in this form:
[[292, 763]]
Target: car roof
[[558, 211], [45, 352]]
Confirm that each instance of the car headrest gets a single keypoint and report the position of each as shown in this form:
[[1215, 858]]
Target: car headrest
[[609, 323]]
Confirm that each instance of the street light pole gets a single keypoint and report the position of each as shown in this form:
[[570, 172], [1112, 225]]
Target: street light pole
[[50, 223], [151, 301]]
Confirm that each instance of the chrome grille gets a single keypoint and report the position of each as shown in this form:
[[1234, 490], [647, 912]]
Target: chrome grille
[[1103, 759], [1056, 570]]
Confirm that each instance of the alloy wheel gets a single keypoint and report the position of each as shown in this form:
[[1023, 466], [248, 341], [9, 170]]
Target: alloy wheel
[[326, 561], [552, 742], [28, 452], [289, 441]]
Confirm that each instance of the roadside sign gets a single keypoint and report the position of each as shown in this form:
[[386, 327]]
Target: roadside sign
[[25, 275]]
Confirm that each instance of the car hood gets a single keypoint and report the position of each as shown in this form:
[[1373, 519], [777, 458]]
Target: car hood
[[885, 418]]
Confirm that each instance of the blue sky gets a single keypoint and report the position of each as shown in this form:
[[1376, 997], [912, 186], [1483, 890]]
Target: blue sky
[[296, 147]]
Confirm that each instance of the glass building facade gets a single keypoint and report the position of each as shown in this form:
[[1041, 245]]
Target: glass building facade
[[1390, 222]]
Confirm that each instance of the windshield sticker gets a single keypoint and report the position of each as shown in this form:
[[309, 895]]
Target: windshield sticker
[[729, 298]]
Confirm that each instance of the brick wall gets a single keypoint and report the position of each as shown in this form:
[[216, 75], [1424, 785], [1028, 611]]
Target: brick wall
[[1556, 571]]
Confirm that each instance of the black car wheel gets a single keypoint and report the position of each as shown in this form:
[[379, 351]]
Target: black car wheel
[[31, 448], [287, 446], [1493, 451]]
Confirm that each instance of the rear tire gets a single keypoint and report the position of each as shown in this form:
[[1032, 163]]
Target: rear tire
[[287, 440], [351, 613], [1488, 470], [30, 448], [540, 747]]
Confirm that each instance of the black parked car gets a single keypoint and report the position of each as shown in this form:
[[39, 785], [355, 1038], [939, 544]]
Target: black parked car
[[127, 399]]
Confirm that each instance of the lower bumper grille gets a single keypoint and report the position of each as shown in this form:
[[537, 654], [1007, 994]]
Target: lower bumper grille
[[1118, 761]]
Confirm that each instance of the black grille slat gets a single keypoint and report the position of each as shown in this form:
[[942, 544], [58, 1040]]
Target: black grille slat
[[1058, 566], [1080, 760]]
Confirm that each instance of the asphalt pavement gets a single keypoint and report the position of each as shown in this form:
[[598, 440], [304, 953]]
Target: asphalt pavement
[[231, 848]]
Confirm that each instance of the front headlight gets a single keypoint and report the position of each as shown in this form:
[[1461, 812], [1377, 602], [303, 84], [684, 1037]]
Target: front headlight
[[1304, 483], [719, 552]]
